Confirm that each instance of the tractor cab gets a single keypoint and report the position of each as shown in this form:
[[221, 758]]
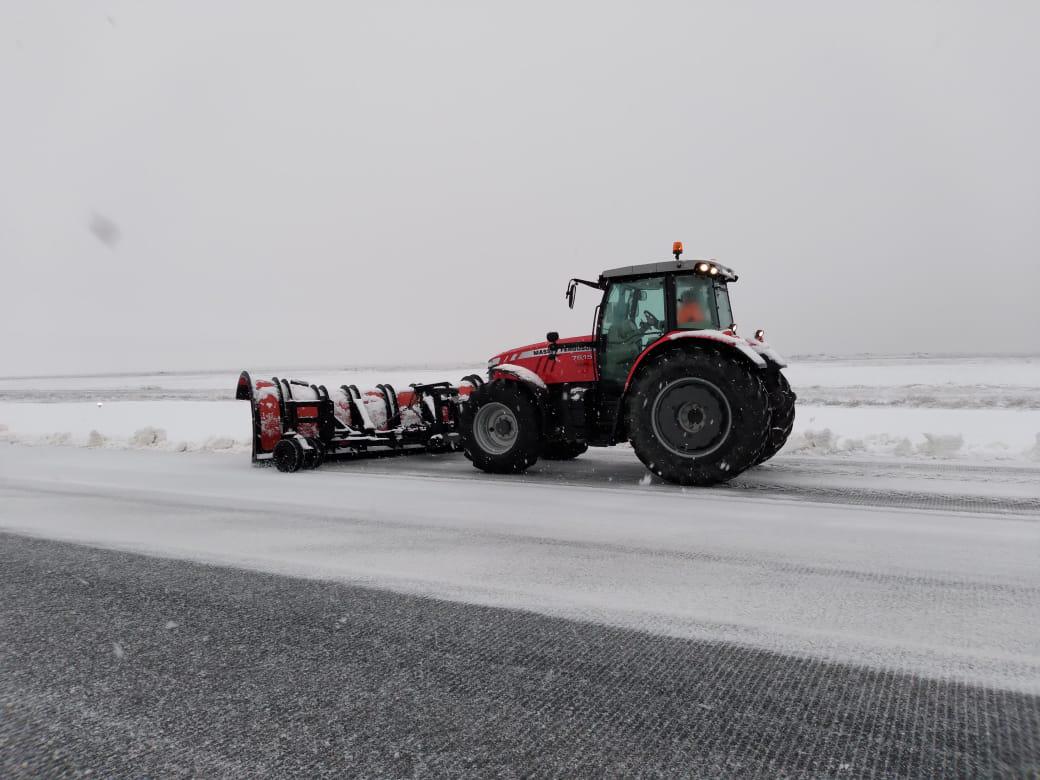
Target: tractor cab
[[643, 303]]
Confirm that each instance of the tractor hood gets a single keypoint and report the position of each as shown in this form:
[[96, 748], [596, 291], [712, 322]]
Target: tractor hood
[[541, 349], [571, 360]]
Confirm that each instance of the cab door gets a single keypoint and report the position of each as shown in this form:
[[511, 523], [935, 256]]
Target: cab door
[[633, 316]]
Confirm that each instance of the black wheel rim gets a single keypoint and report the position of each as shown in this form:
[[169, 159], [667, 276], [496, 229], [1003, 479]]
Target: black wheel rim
[[691, 417]]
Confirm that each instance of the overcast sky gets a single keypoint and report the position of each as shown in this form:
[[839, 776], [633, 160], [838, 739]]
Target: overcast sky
[[234, 184]]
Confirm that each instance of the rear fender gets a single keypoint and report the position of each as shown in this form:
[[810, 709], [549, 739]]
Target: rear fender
[[529, 380], [717, 338], [514, 373]]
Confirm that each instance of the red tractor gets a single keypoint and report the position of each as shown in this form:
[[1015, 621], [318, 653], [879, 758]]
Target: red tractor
[[664, 370]]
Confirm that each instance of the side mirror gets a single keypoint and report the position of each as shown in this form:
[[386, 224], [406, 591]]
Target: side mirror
[[571, 289]]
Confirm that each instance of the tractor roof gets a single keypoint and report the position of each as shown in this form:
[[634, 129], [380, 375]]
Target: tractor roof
[[671, 266]]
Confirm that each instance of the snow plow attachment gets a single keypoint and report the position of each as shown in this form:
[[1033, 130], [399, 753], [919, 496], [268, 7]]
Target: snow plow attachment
[[299, 425]]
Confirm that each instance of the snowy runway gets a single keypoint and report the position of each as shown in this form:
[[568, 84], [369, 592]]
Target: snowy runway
[[945, 593]]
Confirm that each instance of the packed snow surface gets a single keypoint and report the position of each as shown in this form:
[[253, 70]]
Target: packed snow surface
[[949, 592]]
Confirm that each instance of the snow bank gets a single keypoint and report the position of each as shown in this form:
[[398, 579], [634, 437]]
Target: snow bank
[[907, 408], [148, 437], [960, 434], [178, 426], [225, 426]]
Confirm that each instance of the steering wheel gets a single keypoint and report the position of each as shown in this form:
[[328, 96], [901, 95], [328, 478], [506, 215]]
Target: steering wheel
[[650, 321]]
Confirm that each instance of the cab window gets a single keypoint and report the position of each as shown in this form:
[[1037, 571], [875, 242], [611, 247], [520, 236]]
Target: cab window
[[695, 303]]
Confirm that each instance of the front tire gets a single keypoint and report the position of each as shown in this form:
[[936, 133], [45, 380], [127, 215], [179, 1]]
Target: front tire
[[698, 416], [502, 432]]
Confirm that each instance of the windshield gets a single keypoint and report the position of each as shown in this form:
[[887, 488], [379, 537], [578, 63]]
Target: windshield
[[722, 303], [701, 303]]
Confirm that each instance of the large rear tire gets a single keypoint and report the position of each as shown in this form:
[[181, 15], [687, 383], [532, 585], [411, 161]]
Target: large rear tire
[[563, 450], [501, 431], [781, 406], [698, 416]]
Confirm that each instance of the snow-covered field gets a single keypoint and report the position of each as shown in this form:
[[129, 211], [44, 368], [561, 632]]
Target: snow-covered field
[[979, 408]]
